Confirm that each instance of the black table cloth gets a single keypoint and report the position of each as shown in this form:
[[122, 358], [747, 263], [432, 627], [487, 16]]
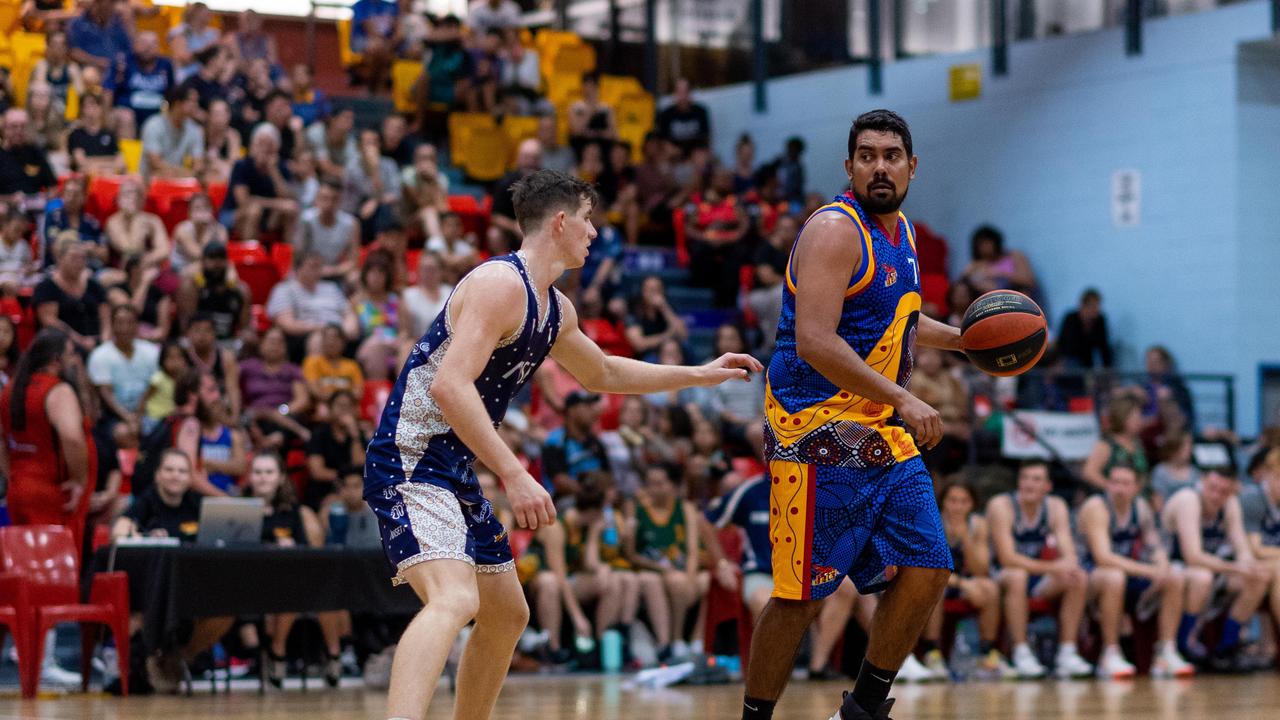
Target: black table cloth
[[171, 585]]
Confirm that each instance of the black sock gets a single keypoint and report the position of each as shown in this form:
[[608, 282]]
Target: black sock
[[985, 647], [927, 646], [757, 709], [870, 690]]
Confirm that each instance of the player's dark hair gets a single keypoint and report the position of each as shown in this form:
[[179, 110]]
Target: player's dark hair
[[880, 121], [986, 232], [49, 345], [958, 484], [1090, 294], [546, 192], [125, 308], [1033, 463]]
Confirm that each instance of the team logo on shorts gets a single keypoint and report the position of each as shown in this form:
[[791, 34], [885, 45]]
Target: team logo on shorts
[[890, 274], [500, 536], [823, 574]]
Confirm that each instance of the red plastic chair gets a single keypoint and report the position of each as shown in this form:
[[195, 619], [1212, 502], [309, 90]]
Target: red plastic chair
[[682, 241], [725, 604], [217, 194], [247, 251], [261, 276], [101, 196], [44, 557], [13, 595], [282, 256]]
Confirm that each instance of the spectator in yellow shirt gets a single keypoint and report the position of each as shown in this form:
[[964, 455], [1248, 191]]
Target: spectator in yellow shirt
[[330, 370]]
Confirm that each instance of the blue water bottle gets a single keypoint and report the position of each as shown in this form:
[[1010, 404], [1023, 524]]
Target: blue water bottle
[[611, 651], [337, 524]]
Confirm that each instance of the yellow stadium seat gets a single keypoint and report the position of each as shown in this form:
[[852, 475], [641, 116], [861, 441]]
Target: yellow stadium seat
[[9, 14], [26, 47], [487, 154], [548, 39], [562, 88], [461, 127], [131, 150], [404, 77], [519, 128], [636, 110], [158, 24], [526, 37], [345, 54], [573, 59], [73, 104], [615, 87]]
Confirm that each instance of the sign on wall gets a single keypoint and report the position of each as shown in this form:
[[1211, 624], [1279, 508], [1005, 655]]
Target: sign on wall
[[1071, 435], [966, 82], [1126, 198]]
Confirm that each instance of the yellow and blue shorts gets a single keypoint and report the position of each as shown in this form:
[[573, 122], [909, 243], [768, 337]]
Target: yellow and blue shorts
[[827, 522]]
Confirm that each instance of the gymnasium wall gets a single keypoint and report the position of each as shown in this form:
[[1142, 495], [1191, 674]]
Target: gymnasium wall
[[1035, 154]]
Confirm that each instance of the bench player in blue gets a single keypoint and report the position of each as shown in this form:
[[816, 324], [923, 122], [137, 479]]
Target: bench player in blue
[[438, 529], [851, 496]]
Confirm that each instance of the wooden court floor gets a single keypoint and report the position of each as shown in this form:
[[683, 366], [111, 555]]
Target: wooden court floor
[[1255, 697]]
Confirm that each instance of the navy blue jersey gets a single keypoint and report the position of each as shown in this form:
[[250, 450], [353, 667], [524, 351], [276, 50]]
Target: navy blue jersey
[[1213, 536], [414, 443], [1126, 537], [747, 506], [1030, 537]]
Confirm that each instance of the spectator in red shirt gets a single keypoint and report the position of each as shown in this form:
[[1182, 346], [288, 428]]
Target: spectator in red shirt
[[716, 224]]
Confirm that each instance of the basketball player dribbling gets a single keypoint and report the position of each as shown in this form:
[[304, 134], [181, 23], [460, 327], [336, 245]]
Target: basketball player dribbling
[[437, 527], [850, 494]]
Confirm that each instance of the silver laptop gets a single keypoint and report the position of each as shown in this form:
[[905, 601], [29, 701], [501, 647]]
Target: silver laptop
[[362, 530], [227, 522]]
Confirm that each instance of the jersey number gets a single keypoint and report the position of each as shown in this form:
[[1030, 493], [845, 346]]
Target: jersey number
[[915, 274]]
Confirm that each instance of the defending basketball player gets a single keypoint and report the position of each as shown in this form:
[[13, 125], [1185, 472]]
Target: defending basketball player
[[850, 494], [438, 528]]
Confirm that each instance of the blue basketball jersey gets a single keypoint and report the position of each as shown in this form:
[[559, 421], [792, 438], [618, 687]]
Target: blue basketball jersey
[[809, 418], [413, 442]]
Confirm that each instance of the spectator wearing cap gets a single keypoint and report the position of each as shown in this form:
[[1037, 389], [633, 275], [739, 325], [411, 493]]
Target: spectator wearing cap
[[24, 169], [330, 232], [374, 36], [143, 83], [504, 233], [333, 141], [69, 299], [172, 142], [371, 185], [66, 213], [259, 196], [573, 449], [306, 303], [121, 369], [685, 122], [99, 37], [486, 15], [211, 289], [93, 147], [310, 104]]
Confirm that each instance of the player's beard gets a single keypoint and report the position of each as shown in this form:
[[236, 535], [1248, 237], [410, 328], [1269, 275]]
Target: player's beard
[[876, 206]]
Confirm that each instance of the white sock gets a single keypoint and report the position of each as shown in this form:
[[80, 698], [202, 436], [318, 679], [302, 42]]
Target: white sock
[[1067, 649], [1021, 648]]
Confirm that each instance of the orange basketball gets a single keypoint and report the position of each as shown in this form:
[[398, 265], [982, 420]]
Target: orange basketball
[[1004, 333]]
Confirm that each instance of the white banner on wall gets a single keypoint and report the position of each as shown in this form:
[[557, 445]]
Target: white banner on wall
[[1071, 435]]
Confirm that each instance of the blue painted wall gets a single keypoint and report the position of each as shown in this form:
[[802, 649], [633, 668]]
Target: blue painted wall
[[1035, 154]]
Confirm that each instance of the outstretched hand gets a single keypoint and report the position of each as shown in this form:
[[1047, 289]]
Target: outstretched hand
[[730, 366]]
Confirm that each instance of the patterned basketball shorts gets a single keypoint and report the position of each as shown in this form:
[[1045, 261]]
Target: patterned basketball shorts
[[827, 522], [420, 522]]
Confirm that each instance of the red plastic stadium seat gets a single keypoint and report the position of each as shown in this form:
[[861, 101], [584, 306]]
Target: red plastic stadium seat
[[725, 604], [217, 194], [260, 276], [101, 196], [47, 562]]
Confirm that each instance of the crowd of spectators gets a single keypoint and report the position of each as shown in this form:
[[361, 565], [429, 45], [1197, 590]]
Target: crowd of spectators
[[187, 389]]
